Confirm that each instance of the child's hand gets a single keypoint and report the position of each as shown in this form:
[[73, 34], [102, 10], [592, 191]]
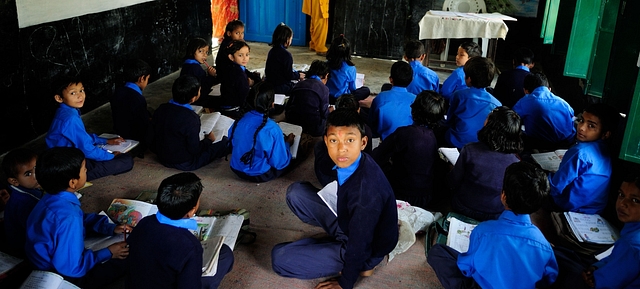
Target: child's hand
[[250, 81], [124, 228], [211, 71], [4, 196], [115, 153], [302, 75], [366, 102], [587, 275], [289, 139], [119, 250], [115, 141], [211, 136]]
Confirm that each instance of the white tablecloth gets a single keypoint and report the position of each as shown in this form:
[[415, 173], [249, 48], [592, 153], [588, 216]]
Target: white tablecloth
[[442, 24]]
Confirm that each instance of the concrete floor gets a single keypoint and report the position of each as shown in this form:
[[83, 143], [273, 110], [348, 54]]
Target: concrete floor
[[271, 219]]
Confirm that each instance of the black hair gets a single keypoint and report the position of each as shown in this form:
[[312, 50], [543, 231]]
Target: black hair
[[347, 101], [232, 26], [523, 55], [609, 116], [413, 49], [345, 117], [339, 51], [633, 177], [15, 158], [178, 194], [318, 68], [260, 99], [503, 131], [236, 45], [535, 80], [134, 69], [193, 45], [185, 88], [525, 187], [281, 34], [60, 83], [428, 108], [481, 71], [57, 166], [401, 73], [472, 49]]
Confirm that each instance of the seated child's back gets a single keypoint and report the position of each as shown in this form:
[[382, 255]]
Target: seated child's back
[[128, 107], [309, 103], [342, 78], [423, 77], [392, 109], [279, 67], [510, 84]]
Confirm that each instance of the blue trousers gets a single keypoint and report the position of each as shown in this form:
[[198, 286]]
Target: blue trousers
[[121, 163], [444, 262], [313, 258]]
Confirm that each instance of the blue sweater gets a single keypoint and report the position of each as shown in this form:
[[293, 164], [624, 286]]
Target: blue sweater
[[510, 86], [468, 109], [129, 110], [390, 110], [423, 78], [279, 67], [309, 106], [234, 86], [16, 213], [194, 68]]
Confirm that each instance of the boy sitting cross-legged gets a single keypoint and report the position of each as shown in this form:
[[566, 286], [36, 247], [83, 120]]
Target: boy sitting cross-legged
[[506, 253], [366, 226]]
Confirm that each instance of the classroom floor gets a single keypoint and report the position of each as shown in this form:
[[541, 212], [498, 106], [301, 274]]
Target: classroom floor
[[271, 219]]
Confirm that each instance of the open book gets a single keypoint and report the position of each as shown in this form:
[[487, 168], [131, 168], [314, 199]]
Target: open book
[[46, 280], [123, 147], [591, 228], [359, 80], [329, 194], [459, 233], [549, 161], [449, 154], [212, 233], [8, 262], [296, 130], [215, 122]]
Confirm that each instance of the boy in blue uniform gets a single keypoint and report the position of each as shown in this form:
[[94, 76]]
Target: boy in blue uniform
[[510, 84], [582, 180], [366, 226], [509, 252], [457, 80], [19, 166], [547, 119], [67, 130], [57, 226], [469, 108], [163, 252], [392, 109], [128, 106], [423, 77], [176, 130]]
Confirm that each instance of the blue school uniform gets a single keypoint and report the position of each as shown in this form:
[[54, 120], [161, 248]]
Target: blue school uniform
[[390, 110], [510, 85], [509, 252], [271, 151], [342, 81], [581, 183], [55, 236], [423, 78], [129, 110], [194, 68], [279, 69], [234, 87], [16, 213], [309, 106], [164, 254], [222, 59], [364, 231], [546, 116], [468, 109], [620, 269], [453, 83]]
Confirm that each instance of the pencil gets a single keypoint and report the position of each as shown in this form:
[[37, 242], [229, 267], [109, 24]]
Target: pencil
[[205, 62]]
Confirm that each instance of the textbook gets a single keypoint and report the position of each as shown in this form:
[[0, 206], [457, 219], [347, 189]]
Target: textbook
[[329, 194], [215, 122], [8, 262], [591, 228], [296, 130], [46, 280], [549, 161], [459, 234], [212, 233], [123, 147], [449, 154]]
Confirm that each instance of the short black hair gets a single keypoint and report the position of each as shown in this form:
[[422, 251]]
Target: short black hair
[[347, 101], [61, 82], [318, 68], [57, 166], [134, 69], [185, 88], [525, 187], [345, 117], [413, 49], [609, 116], [193, 45], [428, 108], [401, 73], [523, 55], [472, 49], [281, 34], [632, 176], [503, 131], [535, 80], [481, 70], [15, 158], [178, 194]]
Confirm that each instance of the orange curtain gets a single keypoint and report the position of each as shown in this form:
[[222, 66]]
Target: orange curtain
[[222, 11]]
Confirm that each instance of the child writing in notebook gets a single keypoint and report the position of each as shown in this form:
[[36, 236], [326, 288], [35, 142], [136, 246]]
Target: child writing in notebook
[[233, 31], [260, 152], [279, 67], [456, 81], [342, 78], [235, 86]]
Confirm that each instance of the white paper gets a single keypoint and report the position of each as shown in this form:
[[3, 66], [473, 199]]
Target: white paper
[[197, 109], [605, 254], [296, 130], [591, 228], [329, 194], [359, 80], [215, 122], [280, 99], [46, 280], [7, 262], [375, 142], [459, 234], [450, 154], [123, 147], [549, 161], [215, 90]]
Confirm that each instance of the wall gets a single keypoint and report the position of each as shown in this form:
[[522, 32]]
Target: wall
[[93, 47]]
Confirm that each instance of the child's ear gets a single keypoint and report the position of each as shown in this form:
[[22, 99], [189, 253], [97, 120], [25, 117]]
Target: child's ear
[[73, 183], [405, 58], [58, 98], [422, 57], [230, 57], [503, 199], [606, 135], [365, 140], [391, 80], [13, 181]]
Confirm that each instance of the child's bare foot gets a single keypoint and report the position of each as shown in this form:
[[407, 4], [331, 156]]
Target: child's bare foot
[[366, 273]]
